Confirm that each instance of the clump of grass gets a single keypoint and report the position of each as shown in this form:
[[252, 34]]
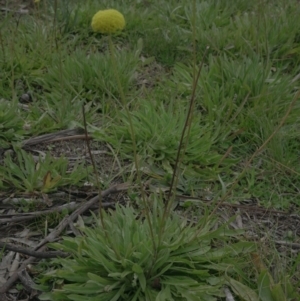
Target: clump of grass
[[11, 124], [157, 132], [45, 175], [184, 268]]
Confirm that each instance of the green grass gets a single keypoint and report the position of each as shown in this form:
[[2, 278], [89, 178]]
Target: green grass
[[245, 88], [248, 81]]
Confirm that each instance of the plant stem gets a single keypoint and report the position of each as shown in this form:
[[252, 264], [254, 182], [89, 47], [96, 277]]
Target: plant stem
[[136, 161], [181, 148], [284, 118], [187, 126]]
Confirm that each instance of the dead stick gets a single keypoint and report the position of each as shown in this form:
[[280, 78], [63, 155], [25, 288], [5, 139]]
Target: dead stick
[[19, 217], [32, 253], [75, 137], [56, 232]]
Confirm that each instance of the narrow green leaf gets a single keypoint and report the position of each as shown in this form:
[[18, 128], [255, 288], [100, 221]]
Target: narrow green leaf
[[178, 280], [142, 280], [137, 269], [264, 286], [243, 291], [99, 279], [278, 293]]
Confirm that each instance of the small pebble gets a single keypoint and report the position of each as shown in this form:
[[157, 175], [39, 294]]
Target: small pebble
[[26, 98]]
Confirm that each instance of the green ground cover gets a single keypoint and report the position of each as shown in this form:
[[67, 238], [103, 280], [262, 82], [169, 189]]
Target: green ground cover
[[248, 83]]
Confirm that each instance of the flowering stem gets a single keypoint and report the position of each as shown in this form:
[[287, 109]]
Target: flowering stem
[[186, 129], [94, 166], [136, 162]]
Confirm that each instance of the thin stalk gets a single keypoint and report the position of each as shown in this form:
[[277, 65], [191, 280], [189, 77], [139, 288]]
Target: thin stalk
[[139, 178], [297, 95], [2, 47], [59, 52], [98, 184], [187, 126], [194, 43], [12, 45], [181, 148], [94, 166], [54, 23], [283, 120]]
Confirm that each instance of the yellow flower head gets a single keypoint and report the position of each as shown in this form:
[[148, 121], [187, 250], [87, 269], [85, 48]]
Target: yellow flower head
[[108, 21]]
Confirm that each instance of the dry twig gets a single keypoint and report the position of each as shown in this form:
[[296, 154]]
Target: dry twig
[[57, 231], [32, 253]]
